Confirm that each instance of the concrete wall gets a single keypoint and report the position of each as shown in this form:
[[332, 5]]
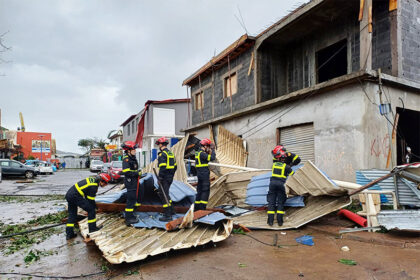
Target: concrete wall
[[214, 84], [350, 134], [381, 37], [410, 39], [132, 135]]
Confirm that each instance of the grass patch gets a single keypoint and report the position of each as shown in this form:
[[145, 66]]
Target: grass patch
[[35, 255], [31, 199], [19, 242]]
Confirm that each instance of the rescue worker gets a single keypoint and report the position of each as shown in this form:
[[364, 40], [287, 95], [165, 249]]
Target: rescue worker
[[131, 181], [82, 194], [276, 196], [167, 167], [202, 159], [291, 158]]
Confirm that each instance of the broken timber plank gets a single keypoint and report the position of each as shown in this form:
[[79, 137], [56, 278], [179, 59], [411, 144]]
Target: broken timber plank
[[197, 215]]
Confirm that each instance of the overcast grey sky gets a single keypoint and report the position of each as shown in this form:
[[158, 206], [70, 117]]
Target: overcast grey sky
[[79, 68]]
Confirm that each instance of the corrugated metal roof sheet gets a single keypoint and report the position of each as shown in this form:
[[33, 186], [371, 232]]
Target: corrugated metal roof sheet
[[315, 208], [120, 243], [404, 192], [400, 219]]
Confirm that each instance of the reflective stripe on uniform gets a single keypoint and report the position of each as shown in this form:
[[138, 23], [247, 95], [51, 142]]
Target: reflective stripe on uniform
[[70, 225], [271, 212], [92, 221], [168, 163], [197, 202], [128, 170], [165, 205], [296, 156], [129, 209], [278, 170], [89, 182], [209, 157], [197, 158], [137, 204], [90, 197], [204, 202], [162, 164], [280, 212], [291, 173]]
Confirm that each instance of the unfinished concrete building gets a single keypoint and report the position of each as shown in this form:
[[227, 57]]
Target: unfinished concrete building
[[328, 81]]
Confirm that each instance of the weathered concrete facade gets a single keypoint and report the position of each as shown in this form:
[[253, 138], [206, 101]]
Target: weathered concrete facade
[[291, 89]]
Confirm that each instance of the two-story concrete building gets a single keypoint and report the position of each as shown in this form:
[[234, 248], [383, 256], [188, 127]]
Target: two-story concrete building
[[327, 81], [157, 119]]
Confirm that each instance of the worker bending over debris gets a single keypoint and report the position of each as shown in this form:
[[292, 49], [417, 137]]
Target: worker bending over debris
[[202, 159], [291, 158], [82, 194], [131, 181], [276, 196], [167, 167]]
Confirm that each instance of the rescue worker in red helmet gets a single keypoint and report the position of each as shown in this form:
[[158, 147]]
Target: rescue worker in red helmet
[[202, 159], [131, 180], [276, 196], [167, 168], [291, 158], [82, 194]]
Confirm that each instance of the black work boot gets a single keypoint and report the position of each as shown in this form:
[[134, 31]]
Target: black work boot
[[167, 217], [270, 219], [131, 219], [172, 209], [70, 233], [93, 227], [280, 219], [197, 207]]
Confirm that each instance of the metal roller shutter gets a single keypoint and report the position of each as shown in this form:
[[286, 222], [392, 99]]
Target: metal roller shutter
[[299, 139]]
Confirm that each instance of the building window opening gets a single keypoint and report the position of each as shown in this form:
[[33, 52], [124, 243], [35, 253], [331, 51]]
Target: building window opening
[[230, 85], [331, 62], [408, 136], [199, 100]]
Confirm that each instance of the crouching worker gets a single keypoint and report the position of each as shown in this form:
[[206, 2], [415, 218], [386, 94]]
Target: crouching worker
[[276, 196], [82, 194]]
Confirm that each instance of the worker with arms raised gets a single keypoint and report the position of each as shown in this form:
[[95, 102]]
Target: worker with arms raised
[[276, 196]]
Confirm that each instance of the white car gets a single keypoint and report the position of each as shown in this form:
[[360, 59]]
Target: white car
[[96, 165], [44, 168]]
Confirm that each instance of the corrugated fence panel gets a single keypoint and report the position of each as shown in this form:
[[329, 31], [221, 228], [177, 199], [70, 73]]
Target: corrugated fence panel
[[299, 140]]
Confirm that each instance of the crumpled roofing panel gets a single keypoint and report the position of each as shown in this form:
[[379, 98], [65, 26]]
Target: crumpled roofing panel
[[400, 219], [120, 243], [316, 207]]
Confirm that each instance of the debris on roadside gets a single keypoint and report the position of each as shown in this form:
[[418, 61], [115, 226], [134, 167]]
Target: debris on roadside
[[345, 249], [347, 262], [305, 240]]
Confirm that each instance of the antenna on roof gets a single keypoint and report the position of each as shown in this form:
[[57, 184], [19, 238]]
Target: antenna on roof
[[241, 21]]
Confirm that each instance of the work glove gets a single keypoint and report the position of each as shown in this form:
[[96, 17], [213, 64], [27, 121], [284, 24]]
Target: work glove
[[139, 173]]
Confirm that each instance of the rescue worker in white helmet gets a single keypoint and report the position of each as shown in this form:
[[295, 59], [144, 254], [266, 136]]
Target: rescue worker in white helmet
[[202, 159], [131, 181], [82, 194], [167, 168], [276, 196]]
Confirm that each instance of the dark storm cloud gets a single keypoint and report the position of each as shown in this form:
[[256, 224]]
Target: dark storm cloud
[[79, 68]]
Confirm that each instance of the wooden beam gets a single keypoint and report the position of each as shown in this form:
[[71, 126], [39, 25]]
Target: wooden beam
[[362, 5], [370, 19], [371, 184], [394, 132], [393, 4], [197, 215], [251, 64]]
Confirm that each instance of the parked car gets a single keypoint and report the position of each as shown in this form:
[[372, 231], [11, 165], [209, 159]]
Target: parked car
[[105, 167], [33, 163], [15, 168], [115, 171], [45, 167], [96, 165]]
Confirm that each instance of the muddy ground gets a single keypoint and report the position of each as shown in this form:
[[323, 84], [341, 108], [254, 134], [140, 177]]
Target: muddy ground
[[238, 257]]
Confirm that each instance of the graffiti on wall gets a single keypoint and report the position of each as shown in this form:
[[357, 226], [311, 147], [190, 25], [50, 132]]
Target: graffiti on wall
[[379, 146]]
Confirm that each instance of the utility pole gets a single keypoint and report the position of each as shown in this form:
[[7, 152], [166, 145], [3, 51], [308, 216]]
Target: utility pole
[[41, 144]]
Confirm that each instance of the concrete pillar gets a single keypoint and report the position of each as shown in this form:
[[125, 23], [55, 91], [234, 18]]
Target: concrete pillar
[[366, 36]]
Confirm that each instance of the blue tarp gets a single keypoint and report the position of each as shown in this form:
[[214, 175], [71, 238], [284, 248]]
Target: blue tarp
[[180, 193], [212, 218], [256, 193], [151, 220]]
